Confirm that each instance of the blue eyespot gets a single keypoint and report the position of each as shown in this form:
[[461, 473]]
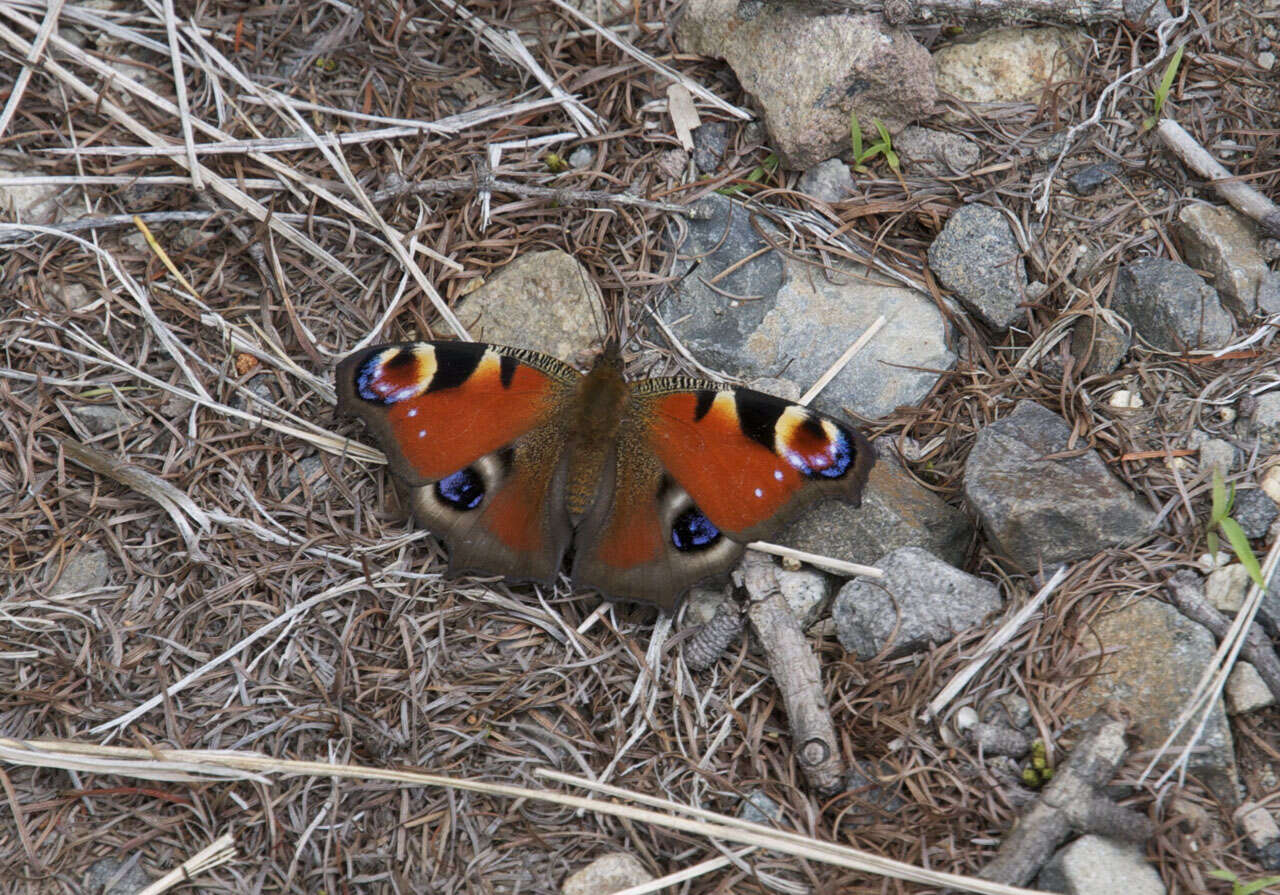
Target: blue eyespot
[[691, 530], [463, 490]]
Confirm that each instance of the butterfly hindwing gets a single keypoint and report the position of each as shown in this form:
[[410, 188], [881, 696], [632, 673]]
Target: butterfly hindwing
[[476, 433]]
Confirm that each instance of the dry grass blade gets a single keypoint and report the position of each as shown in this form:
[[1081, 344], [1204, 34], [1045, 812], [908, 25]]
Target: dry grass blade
[[216, 853], [148, 763], [50, 21]]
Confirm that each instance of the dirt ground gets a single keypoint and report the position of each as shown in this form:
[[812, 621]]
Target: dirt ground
[[219, 494]]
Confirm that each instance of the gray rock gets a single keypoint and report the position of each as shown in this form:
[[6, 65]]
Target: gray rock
[[876, 795], [263, 387], [1224, 242], [896, 512], [673, 163], [920, 600], [1099, 345], [1217, 453], [809, 70], [1051, 148], [1263, 422], [1246, 691], [1269, 293], [800, 320], [1154, 657], [1226, 586], [806, 592], [1147, 12], [701, 604], [545, 301], [72, 296], [1262, 832], [936, 153], [112, 877], [1254, 511], [829, 181], [1049, 511], [83, 572], [1090, 178], [977, 257], [1170, 306], [1093, 865], [102, 418], [758, 808], [1008, 65], [709, 143], [608, 873]]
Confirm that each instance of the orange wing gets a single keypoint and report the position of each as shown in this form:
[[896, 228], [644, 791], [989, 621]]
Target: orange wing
[[437, 406]]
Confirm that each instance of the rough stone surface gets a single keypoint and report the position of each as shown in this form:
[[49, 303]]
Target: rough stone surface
[[1047, 510], [1263, 423], [1224, 242], [920, 600], [758, 808], [1216, 452], [1225, 588], [1262, 832], [1089, 179], [608, 873], [701, 604], [875, 792], [83, 572], [545, 301], [1154, 657], [1170, 306], [800, 319], [1007, 64], [582, 156], [808, 70], [806, 592], [977, 257], [101, 418], [73, 296], [112, 877], [1099, 344], [896, 512], [710, 140], [829, 181], [936, 153], [1094, 865], [310, 470], [1254, 511], [1246, 691]]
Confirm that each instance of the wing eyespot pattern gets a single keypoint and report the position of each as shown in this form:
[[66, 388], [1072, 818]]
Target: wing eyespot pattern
[[815, 447], [464, 490], [387, 377], [692, 531]]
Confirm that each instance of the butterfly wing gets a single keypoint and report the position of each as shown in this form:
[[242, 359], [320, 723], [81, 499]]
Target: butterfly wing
[[476, 432], [701, 470]]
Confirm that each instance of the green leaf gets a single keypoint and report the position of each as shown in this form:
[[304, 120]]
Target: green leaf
[[1211, 541], [1224, 874], [1256, 886], [1166, 82], [1220, 508], [892, 158], [855, 136], [884, 133], [1240, 544]]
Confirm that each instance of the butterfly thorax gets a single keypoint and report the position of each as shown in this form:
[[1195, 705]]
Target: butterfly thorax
[[593, 430]]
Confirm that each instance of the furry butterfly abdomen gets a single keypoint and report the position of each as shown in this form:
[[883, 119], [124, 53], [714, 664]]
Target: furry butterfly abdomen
[[515, 459]]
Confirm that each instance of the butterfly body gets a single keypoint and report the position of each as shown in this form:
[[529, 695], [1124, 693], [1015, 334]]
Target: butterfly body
[[516, 460]]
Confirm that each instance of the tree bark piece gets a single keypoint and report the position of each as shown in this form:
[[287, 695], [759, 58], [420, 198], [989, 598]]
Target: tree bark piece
[[1244, 198], [1187, 593], [795, 668], [1070, 801]]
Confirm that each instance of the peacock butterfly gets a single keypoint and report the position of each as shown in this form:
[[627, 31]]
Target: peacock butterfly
[[516, 459]]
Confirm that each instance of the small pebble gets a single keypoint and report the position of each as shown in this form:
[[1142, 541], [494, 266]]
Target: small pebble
[[1086, 181], [1126, 400], [1267, 60]]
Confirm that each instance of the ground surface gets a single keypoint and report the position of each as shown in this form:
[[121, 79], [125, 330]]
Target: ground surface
[[481, 680]]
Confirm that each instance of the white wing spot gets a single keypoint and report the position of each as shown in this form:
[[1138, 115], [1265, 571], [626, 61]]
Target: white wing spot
[[422, 433], [777, 474], [413, 411], [759, 493]]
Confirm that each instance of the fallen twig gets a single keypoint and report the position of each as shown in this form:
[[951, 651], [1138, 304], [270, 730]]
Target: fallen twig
[[1242, 197], [796, 670], [1187, 593], [562, 195], [1071, 801]]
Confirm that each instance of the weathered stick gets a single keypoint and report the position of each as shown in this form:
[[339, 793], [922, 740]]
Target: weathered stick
[[1244, 198], [1187, 593], [561, 195], [795, 667], [1071, 801], [1075, 12]]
